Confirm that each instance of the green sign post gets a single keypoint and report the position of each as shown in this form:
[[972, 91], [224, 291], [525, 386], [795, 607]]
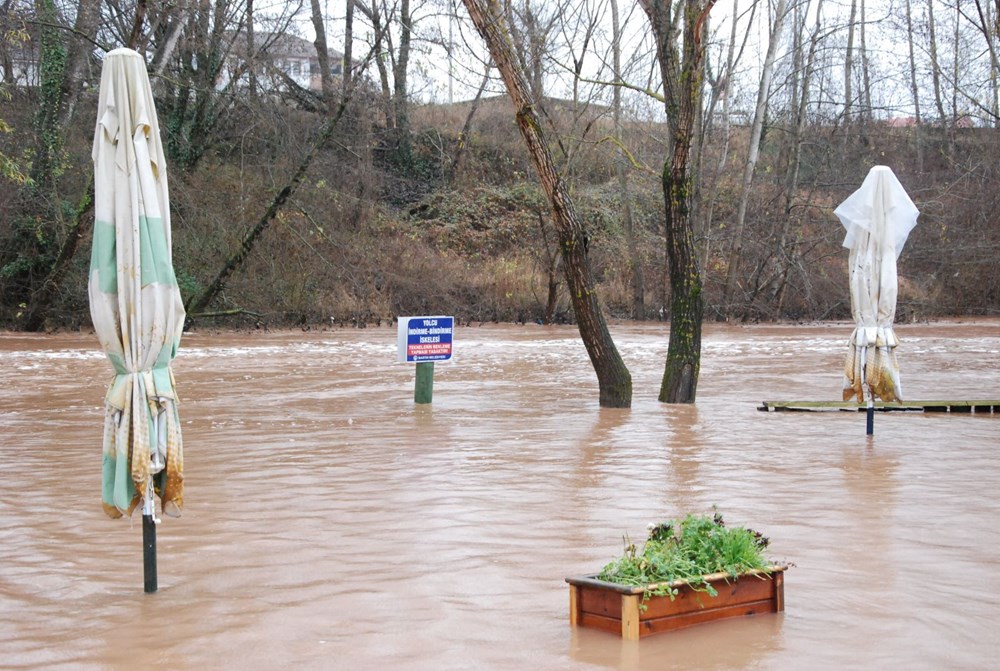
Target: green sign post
[[424, 340]]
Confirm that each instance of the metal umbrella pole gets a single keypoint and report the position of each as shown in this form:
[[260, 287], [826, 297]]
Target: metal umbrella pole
[[149, 522], [870, 410]]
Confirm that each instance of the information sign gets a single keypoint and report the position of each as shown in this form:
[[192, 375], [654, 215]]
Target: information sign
[[424, 339]]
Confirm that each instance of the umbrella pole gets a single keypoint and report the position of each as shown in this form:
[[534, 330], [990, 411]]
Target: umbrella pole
[[870, 419], [149, 541]]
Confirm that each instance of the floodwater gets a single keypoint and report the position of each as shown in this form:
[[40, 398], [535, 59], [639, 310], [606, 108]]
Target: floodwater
[[331, 523]]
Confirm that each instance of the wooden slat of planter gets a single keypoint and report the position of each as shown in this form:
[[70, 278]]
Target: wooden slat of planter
[[600, 602], [612, 625], [749, 588], [680, 620]]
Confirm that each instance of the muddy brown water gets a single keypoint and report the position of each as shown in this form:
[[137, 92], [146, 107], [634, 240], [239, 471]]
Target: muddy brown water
[[331, 523]]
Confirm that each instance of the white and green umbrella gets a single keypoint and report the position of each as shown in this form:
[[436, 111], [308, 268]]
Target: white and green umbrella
[[878, 218], [134, 300]]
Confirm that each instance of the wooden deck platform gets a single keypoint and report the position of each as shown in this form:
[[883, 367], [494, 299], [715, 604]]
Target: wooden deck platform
[[988, 407]]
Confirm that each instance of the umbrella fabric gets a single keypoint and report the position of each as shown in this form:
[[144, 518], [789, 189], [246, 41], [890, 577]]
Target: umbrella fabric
[[878, 217], [135, 303]]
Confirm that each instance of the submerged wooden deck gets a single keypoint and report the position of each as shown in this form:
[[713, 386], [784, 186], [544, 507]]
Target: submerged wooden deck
[[991, 407]]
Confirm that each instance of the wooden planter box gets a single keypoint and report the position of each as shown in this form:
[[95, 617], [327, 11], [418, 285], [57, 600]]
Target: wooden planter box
[[617, 608]]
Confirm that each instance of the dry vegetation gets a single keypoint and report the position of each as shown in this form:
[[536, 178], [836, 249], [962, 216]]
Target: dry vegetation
[[367, 238]]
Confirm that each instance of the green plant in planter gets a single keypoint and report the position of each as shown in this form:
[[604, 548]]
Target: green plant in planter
[[688, 550]]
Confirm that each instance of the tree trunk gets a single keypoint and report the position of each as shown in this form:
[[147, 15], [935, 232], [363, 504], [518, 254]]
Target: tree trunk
[[78, 57], [614, 380], [347, 71], [400, 91], [849, 64], [935, 68], [378, 49], [782, 253], [866, 84], [322, 55], [681, 74], [726, 84], [52, 66], [956, 64], [251, 59], [41, 300], [763, 95], [463, 136], [989, 27], [915, 90], [551, 273]]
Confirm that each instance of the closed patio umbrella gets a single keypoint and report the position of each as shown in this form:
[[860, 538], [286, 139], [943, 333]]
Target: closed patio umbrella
[[878, 217], [135, 303]]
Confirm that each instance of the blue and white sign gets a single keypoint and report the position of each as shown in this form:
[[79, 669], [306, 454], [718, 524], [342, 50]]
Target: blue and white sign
[[424, 339]]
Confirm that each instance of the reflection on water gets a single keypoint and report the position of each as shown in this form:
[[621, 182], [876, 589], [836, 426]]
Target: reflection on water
[[332, 523]]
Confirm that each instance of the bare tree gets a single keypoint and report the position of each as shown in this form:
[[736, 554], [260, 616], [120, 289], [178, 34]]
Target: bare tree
[[463, 137], [621, 163], [803, 76], [392, 59], [866, 83], [78, 56], [681, 72], [347, 73], [849, 64], [614, 380], [914, 89], [530, 32], [322, 53], [723, 87], [935, 66], [756, 129]]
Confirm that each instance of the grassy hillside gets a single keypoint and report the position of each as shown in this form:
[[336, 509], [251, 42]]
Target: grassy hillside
[[374, 232]]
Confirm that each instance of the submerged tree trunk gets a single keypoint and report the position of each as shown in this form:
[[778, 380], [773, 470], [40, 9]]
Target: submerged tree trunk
[[614, 380], [681, 73]]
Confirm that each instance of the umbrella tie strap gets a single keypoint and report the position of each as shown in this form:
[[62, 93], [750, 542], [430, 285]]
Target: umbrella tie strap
[[158, 444], [149, 503]]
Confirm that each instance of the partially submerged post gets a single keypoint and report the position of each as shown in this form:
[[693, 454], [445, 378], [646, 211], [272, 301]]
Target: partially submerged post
[[423, 389], [424, 340], [149, 523]]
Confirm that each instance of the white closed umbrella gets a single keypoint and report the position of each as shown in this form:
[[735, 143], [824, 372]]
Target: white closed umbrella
[[135, 303], [878, 217]]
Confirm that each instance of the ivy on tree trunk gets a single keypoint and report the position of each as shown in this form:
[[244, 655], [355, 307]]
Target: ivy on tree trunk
[[682, 71]]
